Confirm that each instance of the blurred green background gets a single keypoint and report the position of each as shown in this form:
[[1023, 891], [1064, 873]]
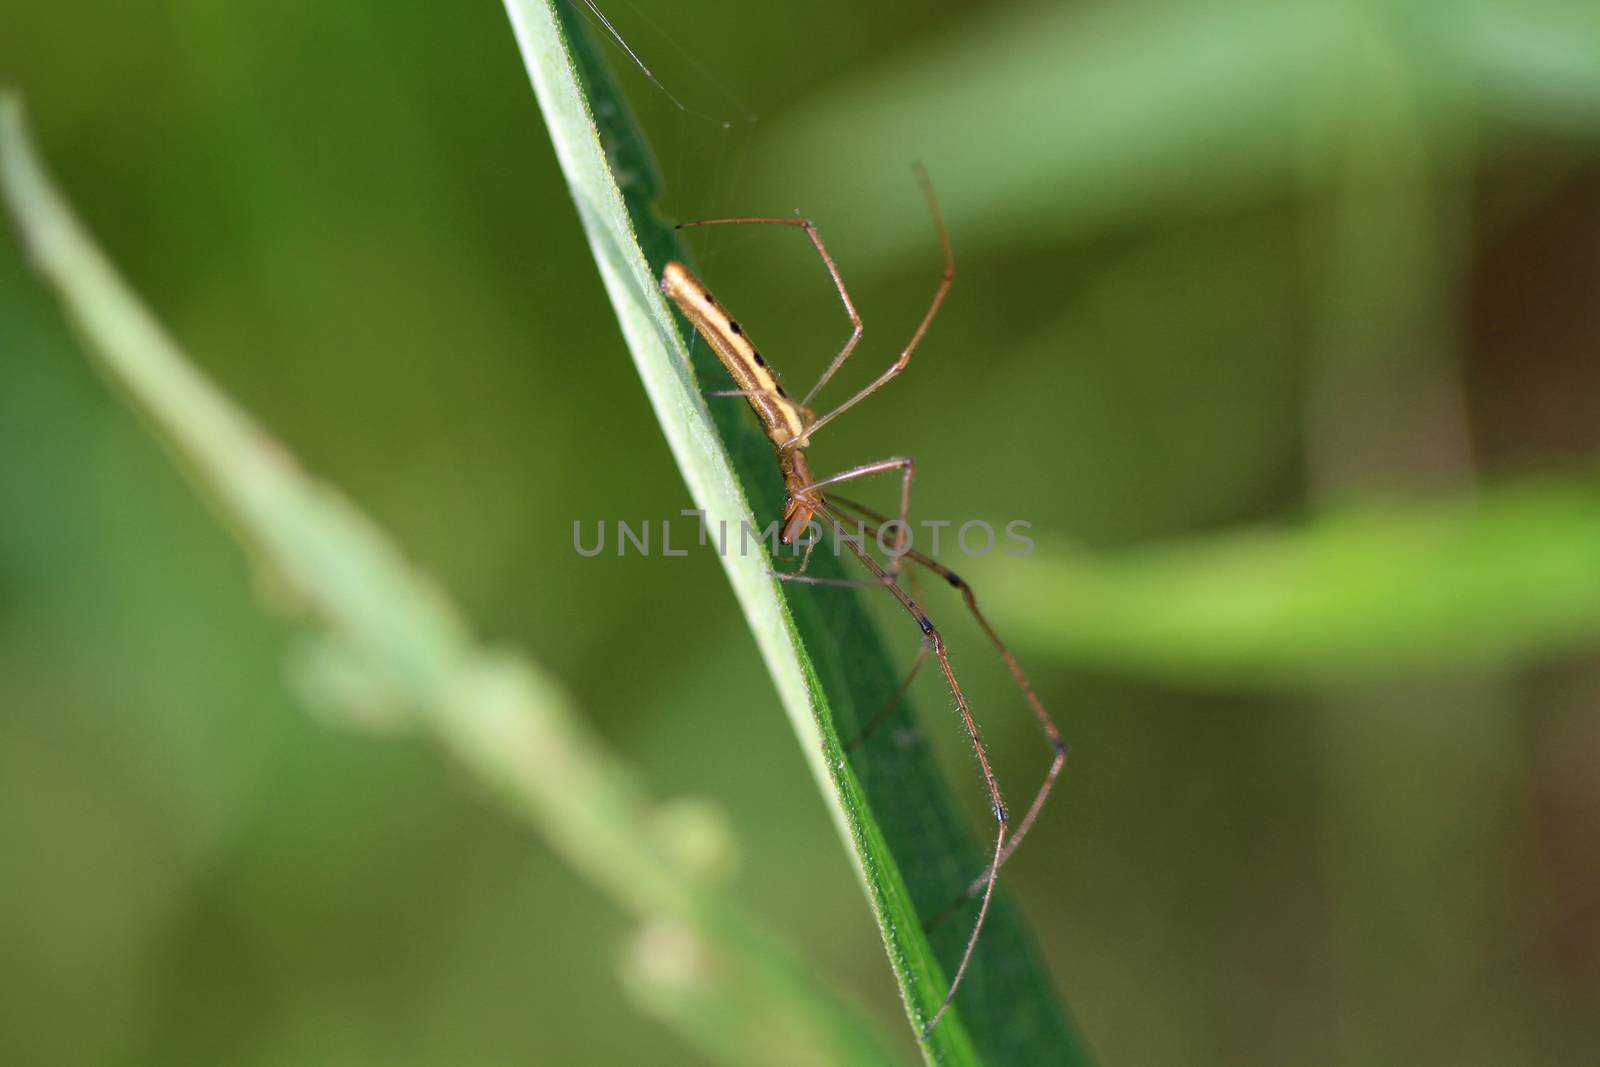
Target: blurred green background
[[1221, 266]]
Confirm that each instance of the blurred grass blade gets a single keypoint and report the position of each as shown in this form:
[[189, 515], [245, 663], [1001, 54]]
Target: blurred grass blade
[[1532, 61], [1363, 592], [390, 639], [890, 803], [1123, 111]]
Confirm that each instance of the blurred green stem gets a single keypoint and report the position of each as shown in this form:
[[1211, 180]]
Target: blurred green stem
[[392, 646]]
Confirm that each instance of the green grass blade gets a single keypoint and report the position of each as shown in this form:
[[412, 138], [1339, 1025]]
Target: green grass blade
[[911, 849], [391, 648], [1361, 593]]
